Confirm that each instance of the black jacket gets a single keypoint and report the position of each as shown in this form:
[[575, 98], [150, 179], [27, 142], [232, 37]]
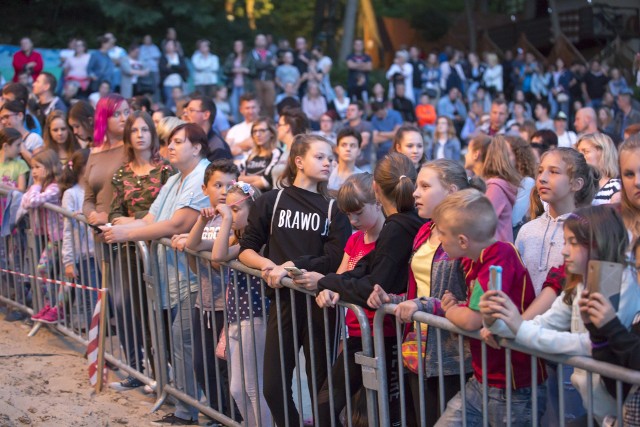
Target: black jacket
[[615, 344], [387, 265]]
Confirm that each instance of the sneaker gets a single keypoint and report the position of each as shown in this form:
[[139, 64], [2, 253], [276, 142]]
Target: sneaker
[[111, 366], [15, 316], [128, 383], [51, 316], [41, 313], [150, 388], [172, 420]]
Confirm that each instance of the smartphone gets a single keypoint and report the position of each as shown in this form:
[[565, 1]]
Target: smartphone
[[294, 270], [495, 278], [605, 277], [95, 228]]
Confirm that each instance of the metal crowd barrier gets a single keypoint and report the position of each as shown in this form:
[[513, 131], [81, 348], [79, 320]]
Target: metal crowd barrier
[[442, 325], [154, 328], [213, 393]]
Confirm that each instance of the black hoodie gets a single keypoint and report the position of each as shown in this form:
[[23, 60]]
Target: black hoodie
[[387, 265], [300, 230]]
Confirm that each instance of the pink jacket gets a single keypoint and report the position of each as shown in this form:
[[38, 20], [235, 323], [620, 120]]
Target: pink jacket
[[502, 195]]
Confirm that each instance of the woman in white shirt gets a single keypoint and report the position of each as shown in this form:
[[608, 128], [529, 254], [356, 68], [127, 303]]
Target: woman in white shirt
[[401, 66], [206, 67]]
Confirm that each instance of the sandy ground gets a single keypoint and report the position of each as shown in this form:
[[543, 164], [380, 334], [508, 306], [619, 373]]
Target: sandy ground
[[44, 382]]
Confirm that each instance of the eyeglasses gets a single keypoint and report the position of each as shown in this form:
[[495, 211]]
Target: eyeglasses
[[190, 111], [6, 117], [259, 131], [118, 114]]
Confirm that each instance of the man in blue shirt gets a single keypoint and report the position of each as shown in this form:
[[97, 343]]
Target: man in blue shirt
[[451, 106], [385, 123]]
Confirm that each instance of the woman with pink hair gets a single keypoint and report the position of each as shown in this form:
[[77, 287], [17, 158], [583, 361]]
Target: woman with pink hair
[[107, 155]]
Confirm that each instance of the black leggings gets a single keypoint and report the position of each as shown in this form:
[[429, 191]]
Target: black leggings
[[431, 397], [273, 388], [339, 392], [204, 355]]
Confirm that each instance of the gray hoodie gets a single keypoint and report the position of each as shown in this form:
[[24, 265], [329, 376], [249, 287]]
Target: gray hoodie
[[540, 245]]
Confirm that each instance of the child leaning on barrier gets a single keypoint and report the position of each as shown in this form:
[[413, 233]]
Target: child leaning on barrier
[[13, 169], [298, 226], [612, 342], [357, 199], [245, 316], [590, 233], [48, 224], [432, 273], [466, 223], [208, 313], [387, 264], [565, 181], [78, 255]]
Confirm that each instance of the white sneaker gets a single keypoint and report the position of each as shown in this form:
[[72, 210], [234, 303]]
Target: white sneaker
[[150, 388]]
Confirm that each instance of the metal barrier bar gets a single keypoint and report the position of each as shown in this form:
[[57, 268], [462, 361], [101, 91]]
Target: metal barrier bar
[[617, 373]]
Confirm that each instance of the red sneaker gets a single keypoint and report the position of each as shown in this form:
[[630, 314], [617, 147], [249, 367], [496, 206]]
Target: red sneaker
[[51, 316], [41, 313]]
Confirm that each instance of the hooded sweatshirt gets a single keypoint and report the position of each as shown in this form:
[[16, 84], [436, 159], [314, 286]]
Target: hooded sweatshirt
[[540, 243], [502, 196], [387, 265]]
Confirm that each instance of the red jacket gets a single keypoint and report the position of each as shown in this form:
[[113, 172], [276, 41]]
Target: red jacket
[[20, 60]]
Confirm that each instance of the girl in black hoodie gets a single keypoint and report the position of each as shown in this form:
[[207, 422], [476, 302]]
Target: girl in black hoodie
[[299, 226], [387, 265]]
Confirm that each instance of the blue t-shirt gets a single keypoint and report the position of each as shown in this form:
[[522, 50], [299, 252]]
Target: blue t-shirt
[[387, 124], [173, 196]]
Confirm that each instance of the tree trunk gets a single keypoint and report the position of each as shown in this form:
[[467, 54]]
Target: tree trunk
[[318, 20], [349, 26], [471, 24], [555, 20]]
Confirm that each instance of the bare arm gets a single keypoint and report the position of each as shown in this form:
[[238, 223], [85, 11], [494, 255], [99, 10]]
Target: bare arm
[[194, 239], [464, 318], [145, 229], [223, 250]]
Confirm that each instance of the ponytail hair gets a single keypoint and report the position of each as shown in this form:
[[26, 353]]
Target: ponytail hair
[[301, 144], [396, 177], [453, 173], [73, 169], [497, 163]]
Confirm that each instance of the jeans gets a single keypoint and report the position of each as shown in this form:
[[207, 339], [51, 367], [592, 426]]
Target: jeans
[[249, 393], [183, 355], [573, 408], [88, 275], [234, 101], [339, 386], [130, 301], [497, 409]]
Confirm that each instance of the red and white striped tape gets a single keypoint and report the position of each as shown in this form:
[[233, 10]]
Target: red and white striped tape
[[53, 281], [92, 348]]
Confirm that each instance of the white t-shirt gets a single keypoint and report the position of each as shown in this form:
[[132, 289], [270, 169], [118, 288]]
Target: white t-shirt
[[32, 141], [239, 133], [567, 139]]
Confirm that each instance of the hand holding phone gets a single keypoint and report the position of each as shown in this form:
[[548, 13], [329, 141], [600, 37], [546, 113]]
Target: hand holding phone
[[495, 278], [294, 270], [606, 278]]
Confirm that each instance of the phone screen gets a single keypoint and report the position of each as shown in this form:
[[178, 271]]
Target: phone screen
[[605, 277]]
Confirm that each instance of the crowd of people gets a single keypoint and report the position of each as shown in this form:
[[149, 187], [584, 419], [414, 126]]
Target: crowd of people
[[405, 192]]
